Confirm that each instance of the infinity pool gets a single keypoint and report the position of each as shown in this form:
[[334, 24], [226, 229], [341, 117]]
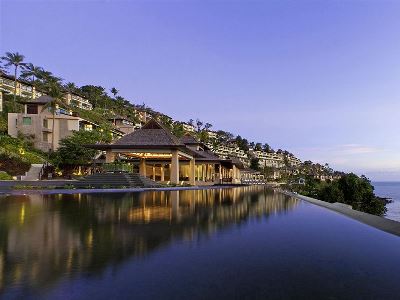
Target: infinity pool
[[238, 243]]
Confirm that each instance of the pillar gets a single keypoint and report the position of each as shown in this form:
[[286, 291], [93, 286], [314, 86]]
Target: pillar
[[153, 173], [192, 172], [142, 167], [110, 156], [175, 204], [175, 167], [162, 173]]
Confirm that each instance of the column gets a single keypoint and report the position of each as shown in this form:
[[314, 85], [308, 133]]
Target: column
[[110, 156], [203, 173], [175, 167], [175, 204], [162, 173], [192, 172], [142, 167], [234, 176], [154, 173]]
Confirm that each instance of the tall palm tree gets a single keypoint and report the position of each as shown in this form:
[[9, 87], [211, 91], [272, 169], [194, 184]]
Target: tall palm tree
[[70, 87], [54, 90], [16, 60], [33, 73]]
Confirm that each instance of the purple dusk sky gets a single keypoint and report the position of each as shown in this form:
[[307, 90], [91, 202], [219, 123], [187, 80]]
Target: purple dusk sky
[[318, 78]]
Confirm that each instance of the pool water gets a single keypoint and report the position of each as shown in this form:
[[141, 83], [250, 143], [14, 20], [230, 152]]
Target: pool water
[[236, 243]]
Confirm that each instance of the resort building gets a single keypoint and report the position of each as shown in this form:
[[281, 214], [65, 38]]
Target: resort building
[[188, 127], [231, 150], [161, 156], [123, 124], [275, 160], [212, 134], [142, 115], [23, 88], [36, 123], [76, 100], [27, 90]]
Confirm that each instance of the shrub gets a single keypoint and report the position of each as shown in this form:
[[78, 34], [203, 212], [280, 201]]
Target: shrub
[[5, 176]]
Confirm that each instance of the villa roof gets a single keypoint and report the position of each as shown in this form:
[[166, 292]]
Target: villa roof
[[205, 156], [151, 134], [40, 100], [118, 117], [189, 139]]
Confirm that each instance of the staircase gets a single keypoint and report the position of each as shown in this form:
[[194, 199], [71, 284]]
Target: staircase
[[116, 180], [33, 173]]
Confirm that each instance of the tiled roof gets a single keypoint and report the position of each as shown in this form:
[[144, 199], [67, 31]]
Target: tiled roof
[[189, 139], [40, 100], [151, 134]]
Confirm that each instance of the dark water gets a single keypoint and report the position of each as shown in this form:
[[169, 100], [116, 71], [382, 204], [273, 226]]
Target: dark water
[[241, 243], [390, 190]]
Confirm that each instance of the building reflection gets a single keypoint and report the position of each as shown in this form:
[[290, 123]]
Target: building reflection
[[45, 238]]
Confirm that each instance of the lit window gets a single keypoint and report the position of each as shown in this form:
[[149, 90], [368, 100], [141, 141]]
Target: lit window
[[26, 121]]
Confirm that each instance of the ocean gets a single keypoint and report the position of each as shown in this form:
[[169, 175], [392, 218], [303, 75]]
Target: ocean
[[390, 190]]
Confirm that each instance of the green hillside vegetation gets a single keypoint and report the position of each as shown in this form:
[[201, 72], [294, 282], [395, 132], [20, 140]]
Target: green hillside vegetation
[[17, 155], [349, 189]]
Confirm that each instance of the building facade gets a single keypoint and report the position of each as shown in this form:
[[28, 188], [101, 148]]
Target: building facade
[[29, 91], [36, 124]]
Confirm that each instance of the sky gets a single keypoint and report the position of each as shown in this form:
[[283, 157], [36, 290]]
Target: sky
[[320, 79]]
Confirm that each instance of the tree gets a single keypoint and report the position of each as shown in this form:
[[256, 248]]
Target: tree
[[114, 91], [207, 126], [267, 148], [32, 73], [55, 92], [258, 147], [331, 193], [72, 150], [71, 87], [177, 129], [95, 94], [199, 124], [16, 60], [254, 164]]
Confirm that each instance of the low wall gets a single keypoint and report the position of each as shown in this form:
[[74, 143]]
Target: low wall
[[381, 223]]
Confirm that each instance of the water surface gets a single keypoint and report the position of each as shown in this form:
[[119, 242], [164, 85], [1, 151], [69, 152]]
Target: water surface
[[238, 243], [390, 190]]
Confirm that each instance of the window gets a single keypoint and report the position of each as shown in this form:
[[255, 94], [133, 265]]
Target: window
[[26, 121], [32, 109], [45, 137], [45, 123]]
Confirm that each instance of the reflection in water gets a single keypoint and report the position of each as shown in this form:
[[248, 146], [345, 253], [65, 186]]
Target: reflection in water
[[45, 238]]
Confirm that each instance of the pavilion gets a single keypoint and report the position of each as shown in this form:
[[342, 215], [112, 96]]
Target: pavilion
[[164, 157]]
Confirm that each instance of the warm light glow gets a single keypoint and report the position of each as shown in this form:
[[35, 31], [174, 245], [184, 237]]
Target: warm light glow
[[150, 155], [22, 214]]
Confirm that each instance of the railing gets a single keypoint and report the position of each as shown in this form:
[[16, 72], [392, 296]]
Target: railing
[[43, 169]]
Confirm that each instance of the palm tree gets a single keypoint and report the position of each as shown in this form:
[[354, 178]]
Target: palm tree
[[70, 87], [54, 90], [16, 60], [32, 72]]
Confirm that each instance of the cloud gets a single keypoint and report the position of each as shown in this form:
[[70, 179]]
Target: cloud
[[354, 149]]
